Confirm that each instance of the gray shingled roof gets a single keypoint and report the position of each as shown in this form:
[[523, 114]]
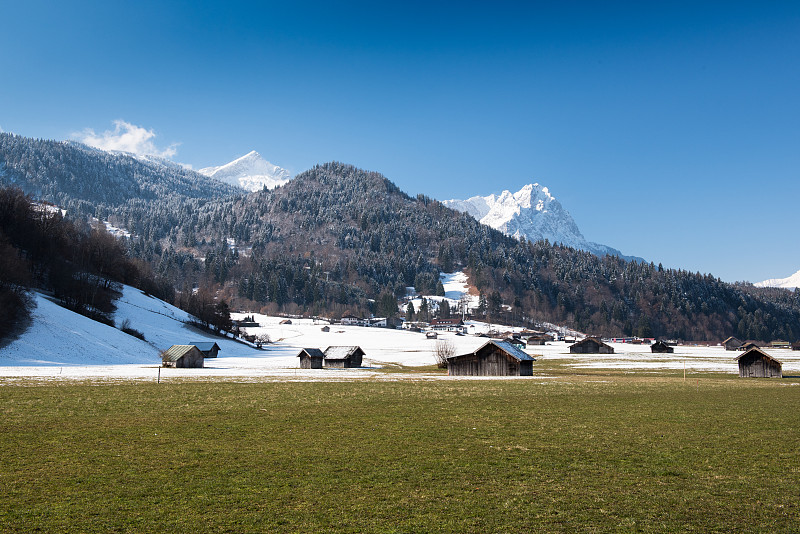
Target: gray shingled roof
[[176, 352], [340, 352], [515, 352], [204, 346], [758, 350], [314, 353]]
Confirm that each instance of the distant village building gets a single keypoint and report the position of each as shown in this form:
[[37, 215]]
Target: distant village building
[[591, 345], [208, 348], [342, 357], [311, 358], [780, 344], [758, 364], [352, 320], [493, 358], [796, 345], [182, 356], [747, 345], [732, 343], [448, 325], [661, 347]]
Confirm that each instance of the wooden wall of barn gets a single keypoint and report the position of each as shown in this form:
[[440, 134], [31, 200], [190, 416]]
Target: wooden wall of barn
[[493, 364], [760, 367]]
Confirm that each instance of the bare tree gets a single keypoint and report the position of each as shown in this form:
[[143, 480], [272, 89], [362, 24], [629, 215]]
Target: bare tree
[[261, 339], [444, 349]]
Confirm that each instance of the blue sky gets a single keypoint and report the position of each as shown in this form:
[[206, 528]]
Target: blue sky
[[669, 130]]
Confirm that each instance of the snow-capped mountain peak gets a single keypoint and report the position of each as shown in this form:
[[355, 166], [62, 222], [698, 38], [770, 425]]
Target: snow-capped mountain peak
[[790, 282], [251, 172], [532, 212]]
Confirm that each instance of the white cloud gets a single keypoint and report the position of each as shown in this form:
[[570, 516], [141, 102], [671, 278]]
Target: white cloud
[[126, 137]]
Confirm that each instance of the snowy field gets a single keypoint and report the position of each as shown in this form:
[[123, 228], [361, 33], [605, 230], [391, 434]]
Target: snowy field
[[62, 345]]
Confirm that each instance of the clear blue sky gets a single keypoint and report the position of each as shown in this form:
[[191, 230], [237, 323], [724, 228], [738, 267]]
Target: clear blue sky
[[669, 130]]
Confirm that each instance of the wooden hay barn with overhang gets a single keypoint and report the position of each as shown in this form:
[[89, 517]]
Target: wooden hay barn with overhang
[[343, 357], [493, 358], [182, 356], [208, 348], [756, 363], [591, 345], [732, 343], [661, 347], [311, 358]]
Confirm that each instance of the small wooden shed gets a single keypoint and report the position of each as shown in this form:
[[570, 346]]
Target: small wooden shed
[[796, 345], [208, 348], [732, 343], [343, 357], [431, 335], [758, 364], [182, 356], [591, 345], [311, 358], [661, 347], [493, 358]]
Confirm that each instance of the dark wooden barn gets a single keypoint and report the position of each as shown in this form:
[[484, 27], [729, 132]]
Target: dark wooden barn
[[342, 357], [493, 358], [732, 343], [208, 348], [758, 364], [661, 347], [311, 358], [182, 356], [591, 345], [796, 345]]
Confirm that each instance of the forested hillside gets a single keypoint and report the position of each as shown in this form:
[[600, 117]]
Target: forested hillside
[[338, 239]]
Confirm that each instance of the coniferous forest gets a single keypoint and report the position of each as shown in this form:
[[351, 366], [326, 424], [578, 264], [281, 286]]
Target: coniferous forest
[[338, 239]]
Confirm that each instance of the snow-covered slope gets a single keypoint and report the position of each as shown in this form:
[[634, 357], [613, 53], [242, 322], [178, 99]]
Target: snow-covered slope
[[60, 337], [251, 172], [788, 283], [532, 213]]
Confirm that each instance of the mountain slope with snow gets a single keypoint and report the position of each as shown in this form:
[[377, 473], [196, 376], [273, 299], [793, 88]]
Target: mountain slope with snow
[[251, 172], [790, 282], [532, 213]]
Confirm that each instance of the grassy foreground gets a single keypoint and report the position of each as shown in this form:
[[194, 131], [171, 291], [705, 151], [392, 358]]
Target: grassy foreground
[[593, 453]]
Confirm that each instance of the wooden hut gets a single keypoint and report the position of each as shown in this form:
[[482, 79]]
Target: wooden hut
[[732, 343], [749, 345], [342, 357], [182, 356], [661, 347], [493, 358], [431, 335], [796, 345], [538, 339], [208, 348], [311, 358], [326, 328], [757, 363], [591, 345]]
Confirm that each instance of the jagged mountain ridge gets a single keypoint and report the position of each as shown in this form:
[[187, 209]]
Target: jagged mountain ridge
[[250, 172], [532, 213], [790, 282]]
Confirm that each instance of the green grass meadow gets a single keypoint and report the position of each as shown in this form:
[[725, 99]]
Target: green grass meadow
[[592, 453]]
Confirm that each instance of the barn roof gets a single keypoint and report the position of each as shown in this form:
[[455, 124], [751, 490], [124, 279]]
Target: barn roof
[[511, 350], [313, 353], [758, 351], [590, 339], [340, 352], [204, 346], [176, 352]]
